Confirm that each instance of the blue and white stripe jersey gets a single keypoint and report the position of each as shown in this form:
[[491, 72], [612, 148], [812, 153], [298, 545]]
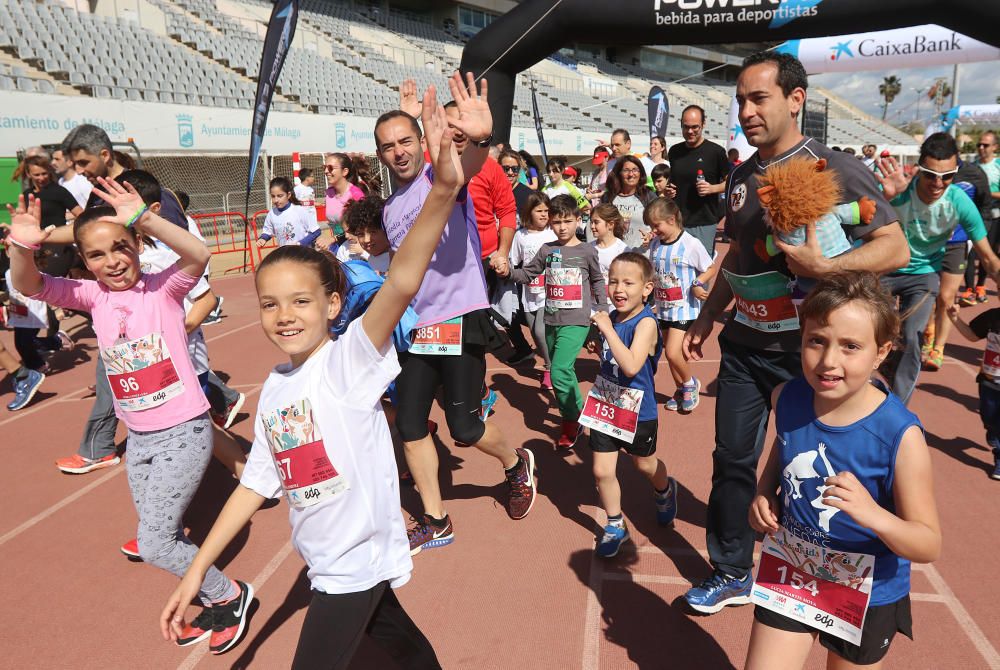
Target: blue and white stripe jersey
[[676, 267]]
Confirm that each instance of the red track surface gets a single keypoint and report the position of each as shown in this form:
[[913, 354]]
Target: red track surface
[[506, 594]]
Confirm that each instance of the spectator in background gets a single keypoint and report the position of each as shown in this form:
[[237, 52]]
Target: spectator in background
[[851, 151], [657, 154], [70, 179], [599, 180], [341, 189], [868, 151], [621, 145], [559, 186], [571, 174], [734, 158], [698, 171], [305, 192], [530, 176], [512, 166], [987, 160], [627, 190], [661, 181]]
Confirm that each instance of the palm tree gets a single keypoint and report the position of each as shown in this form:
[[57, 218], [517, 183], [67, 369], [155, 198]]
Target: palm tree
[[889, 89]]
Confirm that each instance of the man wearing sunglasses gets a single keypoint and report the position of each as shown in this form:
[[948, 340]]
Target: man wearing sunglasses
[[986, 159], [929, 207]]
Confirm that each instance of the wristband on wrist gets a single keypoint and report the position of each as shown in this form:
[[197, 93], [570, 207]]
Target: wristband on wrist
[[698, 284], [138, 215], [31, 247]]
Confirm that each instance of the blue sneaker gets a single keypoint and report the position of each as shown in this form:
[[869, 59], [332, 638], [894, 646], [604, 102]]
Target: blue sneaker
[[487, 404], [24, 390], [674, 403], [612, 540], [718, 591], [666, 507], [689, 396]]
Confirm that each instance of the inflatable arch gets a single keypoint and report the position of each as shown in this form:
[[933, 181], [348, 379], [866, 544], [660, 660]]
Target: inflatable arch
[[537, 28]]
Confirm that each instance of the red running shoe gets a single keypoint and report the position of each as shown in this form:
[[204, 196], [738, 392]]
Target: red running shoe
[[521, 481], [131, 550], [230, 620], [197, 630], [571, 431]]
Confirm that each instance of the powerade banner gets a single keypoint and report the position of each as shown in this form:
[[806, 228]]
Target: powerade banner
[[534, 29], [658, 111], [280, 30], [538, 124], [920, 46]]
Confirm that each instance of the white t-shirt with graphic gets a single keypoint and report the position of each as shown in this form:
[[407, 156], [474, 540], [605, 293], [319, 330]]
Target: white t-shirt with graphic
[[607, 254], [289, 226], [24, 312], [322, 441], [523, 248]]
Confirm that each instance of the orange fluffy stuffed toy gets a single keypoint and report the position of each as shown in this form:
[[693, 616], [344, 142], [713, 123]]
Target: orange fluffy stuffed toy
[[799, 191]]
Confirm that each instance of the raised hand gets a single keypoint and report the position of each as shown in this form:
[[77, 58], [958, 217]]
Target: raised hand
[[408, 100], [434, 121], [123, 197], [892, 178], [474, 118], [26, 222], [447, 163]]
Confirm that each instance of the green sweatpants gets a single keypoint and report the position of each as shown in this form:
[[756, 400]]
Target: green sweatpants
[[565, 343]]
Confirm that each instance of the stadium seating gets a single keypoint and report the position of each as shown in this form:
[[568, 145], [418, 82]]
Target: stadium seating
[[351, 65]]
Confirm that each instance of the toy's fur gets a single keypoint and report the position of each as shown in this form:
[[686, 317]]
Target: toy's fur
[[797, 191]]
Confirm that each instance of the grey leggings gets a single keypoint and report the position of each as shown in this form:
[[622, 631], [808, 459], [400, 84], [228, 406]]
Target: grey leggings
[[164, 470], [536, 322]]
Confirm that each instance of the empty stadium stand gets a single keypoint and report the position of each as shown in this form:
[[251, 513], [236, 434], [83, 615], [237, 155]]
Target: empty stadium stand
[[346, 59]]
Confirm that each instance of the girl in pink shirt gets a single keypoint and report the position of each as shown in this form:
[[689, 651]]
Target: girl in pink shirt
[[139, 322]]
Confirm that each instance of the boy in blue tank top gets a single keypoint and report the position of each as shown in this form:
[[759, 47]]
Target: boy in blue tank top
[[846, 499], [621, 407]]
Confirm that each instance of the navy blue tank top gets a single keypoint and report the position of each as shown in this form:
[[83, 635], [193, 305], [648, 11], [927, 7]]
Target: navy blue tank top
[[811, 451], [643, 380]]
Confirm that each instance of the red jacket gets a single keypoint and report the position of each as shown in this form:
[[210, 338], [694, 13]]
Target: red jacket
[[493, 203]]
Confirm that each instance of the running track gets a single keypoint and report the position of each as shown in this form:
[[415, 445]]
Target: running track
[[506, 594]]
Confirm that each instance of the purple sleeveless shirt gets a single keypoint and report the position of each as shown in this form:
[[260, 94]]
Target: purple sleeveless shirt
[[454, 284]]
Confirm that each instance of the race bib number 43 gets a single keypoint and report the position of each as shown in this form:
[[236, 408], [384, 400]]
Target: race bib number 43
[[141, 373], [439, 339], [764, 301], [307, 475], [826, 589], [612, 409]]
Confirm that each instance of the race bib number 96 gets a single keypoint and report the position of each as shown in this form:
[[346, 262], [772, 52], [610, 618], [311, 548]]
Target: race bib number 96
[[141, 373]]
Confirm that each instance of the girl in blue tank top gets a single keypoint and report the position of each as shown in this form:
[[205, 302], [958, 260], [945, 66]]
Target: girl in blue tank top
[[848, 483], [621, 408]]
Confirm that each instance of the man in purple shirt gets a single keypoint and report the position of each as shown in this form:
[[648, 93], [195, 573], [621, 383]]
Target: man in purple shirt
[[451, 335]]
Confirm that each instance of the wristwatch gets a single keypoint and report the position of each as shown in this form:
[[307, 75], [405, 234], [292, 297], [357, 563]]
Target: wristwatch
[[484, 143], [698, 284]]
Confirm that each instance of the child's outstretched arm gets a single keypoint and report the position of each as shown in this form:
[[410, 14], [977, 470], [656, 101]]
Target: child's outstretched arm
[[914, 532], [131, 210], [414, 255], [960, 325], [26, 235], [240, 507], [531, 269], [629, 359]]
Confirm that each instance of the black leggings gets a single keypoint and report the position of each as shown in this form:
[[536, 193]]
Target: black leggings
[[335, 623], [27, 348], [992, 236], [461, 380]]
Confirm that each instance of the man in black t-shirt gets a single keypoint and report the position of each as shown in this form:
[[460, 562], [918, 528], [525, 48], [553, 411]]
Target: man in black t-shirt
[[761, 341], [698, 194]]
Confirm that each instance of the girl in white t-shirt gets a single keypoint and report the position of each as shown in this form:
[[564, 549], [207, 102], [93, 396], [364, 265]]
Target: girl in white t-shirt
[[527, 241], [322, 441], [288, 222], [608, 229]]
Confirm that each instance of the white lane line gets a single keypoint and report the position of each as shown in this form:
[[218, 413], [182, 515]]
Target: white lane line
[[965, 620], [646, 579], [41, 516], [230, 332], [592, 632], [258, 583], [964, 366]]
